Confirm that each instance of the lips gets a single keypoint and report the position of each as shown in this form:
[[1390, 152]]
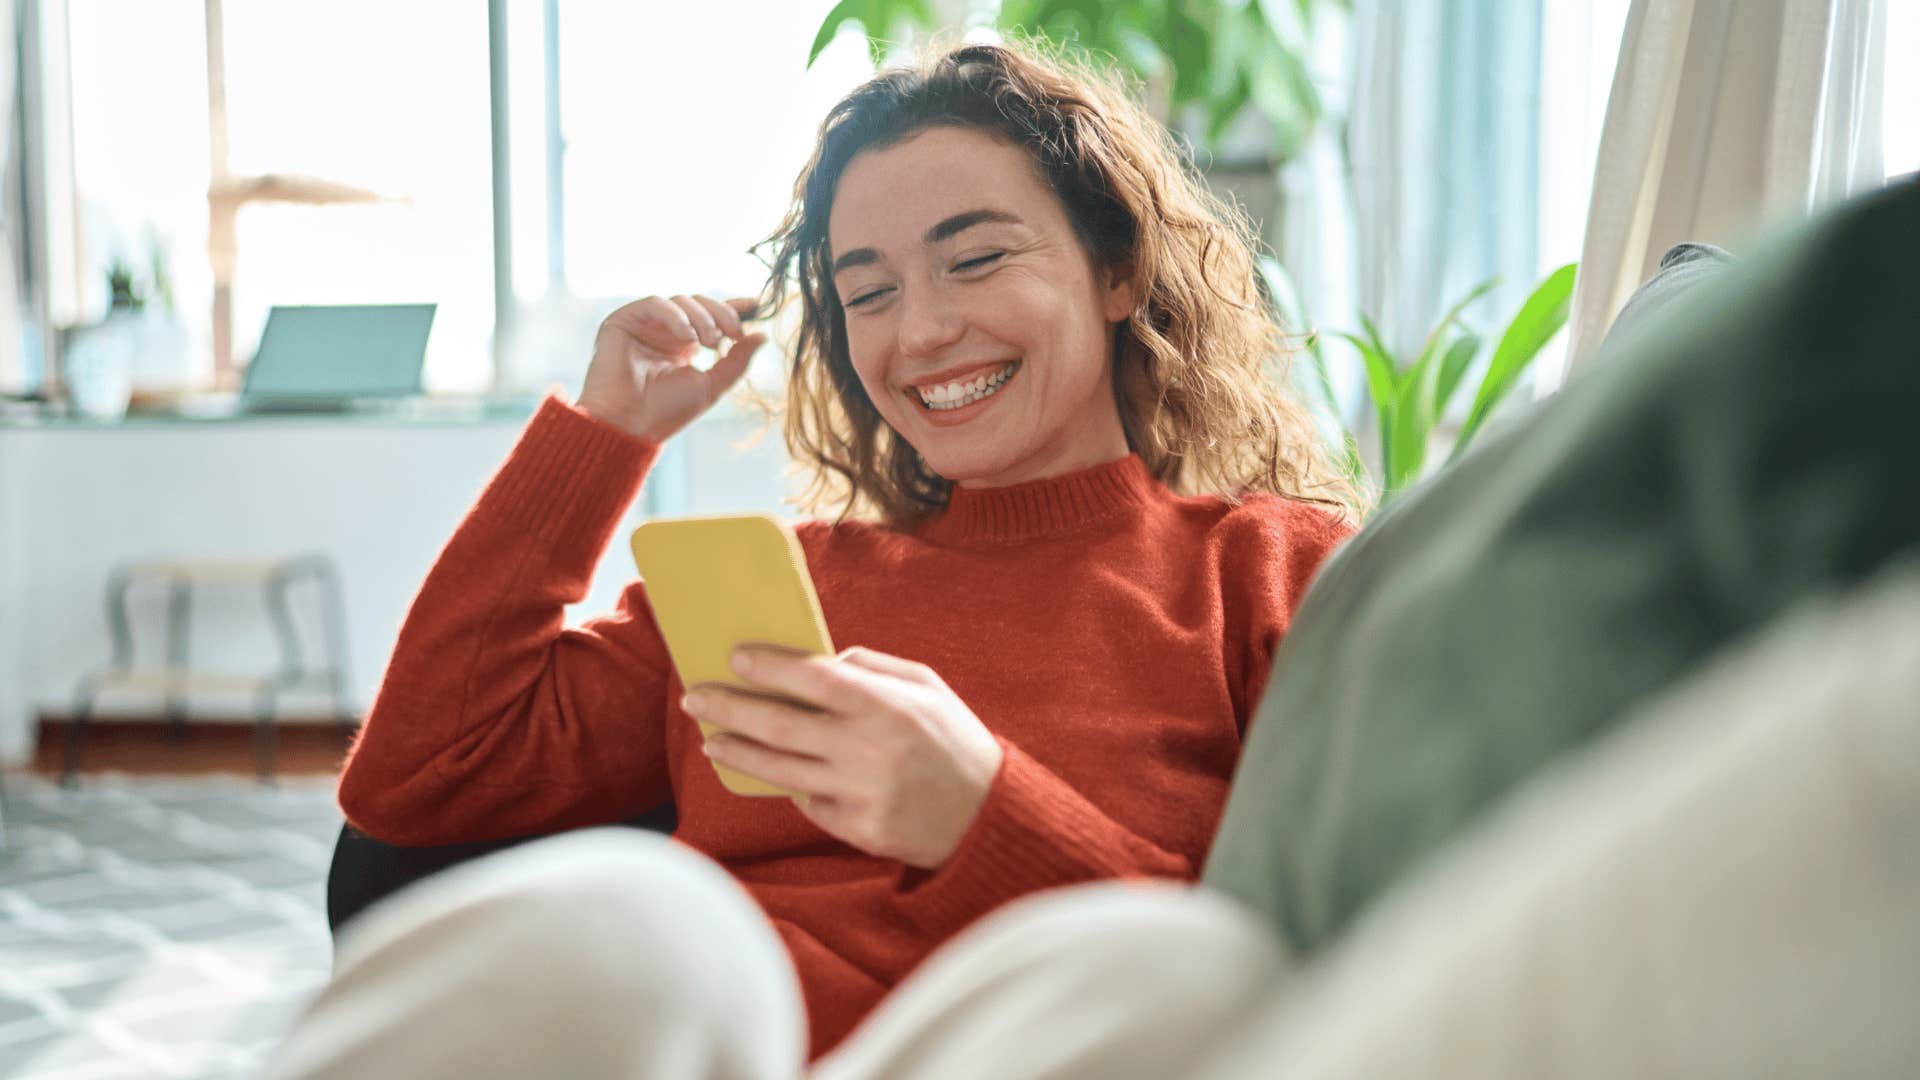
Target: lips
[[958, 374]]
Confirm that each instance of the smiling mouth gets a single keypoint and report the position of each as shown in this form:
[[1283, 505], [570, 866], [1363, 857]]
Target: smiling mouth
[[978, 390]]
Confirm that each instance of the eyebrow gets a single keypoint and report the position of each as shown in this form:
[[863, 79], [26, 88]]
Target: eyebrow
[[951, 227]]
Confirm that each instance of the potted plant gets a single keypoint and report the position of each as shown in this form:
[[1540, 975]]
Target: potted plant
[[1201, 60], [1210, 69], [97, 359], [138, 349], [1411, 395]]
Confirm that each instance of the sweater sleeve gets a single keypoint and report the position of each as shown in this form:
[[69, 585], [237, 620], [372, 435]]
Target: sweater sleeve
[[1274, 549], [493, 719], [1034, 831]]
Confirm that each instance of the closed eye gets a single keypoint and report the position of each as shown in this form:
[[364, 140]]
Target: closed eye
[[969, 264]]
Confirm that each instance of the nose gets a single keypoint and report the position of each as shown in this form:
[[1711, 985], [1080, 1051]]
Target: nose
[[929, 322]]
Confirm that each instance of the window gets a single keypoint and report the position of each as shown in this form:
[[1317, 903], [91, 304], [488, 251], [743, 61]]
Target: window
[[679, 144], [137, 71], [1900, 119], [386, 97], [679, 148], [1580, 44]]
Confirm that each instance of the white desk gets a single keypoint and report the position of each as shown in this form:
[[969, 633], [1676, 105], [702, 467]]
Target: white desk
[[378, 494]]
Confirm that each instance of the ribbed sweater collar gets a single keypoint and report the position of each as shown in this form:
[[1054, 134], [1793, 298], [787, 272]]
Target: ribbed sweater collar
[[1040, 508]]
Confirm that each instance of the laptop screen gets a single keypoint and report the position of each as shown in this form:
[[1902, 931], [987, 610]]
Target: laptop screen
[[336, 352]]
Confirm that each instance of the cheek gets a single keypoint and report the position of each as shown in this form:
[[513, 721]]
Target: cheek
[[1038, 318], [867, 365], [1029, 307]]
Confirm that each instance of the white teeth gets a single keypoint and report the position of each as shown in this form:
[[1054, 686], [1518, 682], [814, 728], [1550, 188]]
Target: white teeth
[[955, 396]]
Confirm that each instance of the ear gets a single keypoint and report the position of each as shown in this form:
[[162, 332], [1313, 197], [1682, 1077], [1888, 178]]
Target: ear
[[1120, 296]]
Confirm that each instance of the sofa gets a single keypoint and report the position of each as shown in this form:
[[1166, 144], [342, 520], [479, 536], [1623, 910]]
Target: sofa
[[1522, 799]]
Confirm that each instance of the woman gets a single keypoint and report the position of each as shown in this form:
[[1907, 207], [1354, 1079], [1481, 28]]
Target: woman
[[1076, 511]]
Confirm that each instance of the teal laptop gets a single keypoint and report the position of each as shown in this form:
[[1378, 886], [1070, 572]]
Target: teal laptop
[[332, 358]]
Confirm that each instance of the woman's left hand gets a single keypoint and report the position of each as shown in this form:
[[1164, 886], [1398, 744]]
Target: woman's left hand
[[893, 762]]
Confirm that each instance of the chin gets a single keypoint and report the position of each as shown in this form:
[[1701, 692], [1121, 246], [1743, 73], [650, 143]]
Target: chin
[[966, 464]]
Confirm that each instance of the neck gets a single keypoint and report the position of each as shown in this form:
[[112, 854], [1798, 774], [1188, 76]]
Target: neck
[[1062, 502]]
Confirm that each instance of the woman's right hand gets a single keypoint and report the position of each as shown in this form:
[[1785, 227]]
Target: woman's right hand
[[642, 379]]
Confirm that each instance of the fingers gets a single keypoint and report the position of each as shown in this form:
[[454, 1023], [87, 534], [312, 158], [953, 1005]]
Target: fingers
[[688, 318], [777, 724], [653, 312], [777, 767], [727, 370], [701, 319], [821, 680], [724, 316], [874, 660]]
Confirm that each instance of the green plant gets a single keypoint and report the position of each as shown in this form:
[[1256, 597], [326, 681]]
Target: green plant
[[159, 277], [1410, 397], [1220, 56], [130, 290], [123, 292]]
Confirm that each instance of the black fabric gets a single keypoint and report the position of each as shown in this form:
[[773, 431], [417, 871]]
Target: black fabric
[[365, 870]]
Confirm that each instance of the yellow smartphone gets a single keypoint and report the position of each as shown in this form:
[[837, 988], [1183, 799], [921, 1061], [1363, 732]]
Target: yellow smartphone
[[721, 581]]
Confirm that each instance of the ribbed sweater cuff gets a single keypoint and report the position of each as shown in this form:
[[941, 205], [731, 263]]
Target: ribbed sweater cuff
[[1032, 832], [570, 475]]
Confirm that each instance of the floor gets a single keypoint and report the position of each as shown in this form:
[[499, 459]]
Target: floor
[[161, 925], [150, 746]]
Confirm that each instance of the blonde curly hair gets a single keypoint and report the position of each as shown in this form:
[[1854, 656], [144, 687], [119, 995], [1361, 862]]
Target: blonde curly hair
[[1200, 367]]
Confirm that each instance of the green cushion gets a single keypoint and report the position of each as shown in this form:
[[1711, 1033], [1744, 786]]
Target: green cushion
[[1724, 457]]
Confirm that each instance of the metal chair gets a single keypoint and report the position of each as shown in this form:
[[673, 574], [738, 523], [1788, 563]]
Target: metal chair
[[176, 679]]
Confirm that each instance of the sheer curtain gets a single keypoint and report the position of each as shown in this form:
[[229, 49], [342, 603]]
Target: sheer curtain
[[1725, 113], [1436, 186], [13, 374]]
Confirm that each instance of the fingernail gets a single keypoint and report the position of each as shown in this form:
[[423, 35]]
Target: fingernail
[[742, 661], [693, 703]]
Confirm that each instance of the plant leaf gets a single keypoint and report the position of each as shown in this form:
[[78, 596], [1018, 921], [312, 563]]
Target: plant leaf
[[1407, 429], [1284, 93], [1189, 44], [1453, 367], [1379, 343], [1413, 417], [1382, 386], [1438, 340], [1540, 318], [842, 11], [1224, 107], [877, 19], [1453, 313]]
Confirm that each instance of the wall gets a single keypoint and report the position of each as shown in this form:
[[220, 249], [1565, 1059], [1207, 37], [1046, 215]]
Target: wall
[[381, 497]]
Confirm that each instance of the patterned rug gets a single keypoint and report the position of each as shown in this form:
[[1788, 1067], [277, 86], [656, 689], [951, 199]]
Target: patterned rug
[[158, 927]]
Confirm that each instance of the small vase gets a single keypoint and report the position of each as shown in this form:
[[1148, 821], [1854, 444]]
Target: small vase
[[98, 361]]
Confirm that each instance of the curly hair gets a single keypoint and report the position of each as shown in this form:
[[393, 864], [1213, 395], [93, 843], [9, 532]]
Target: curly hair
[[1200, 367]]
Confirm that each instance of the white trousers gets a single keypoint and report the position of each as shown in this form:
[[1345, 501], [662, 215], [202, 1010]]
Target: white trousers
[[620, 953], [1727, 886]]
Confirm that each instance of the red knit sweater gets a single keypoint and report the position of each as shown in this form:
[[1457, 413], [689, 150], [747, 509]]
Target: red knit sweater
[[1113, 636]]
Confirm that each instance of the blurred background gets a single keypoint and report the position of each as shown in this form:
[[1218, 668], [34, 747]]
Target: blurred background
[[189, 545]]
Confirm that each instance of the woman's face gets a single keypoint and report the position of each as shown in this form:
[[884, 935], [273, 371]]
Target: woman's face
[[956, 264]]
